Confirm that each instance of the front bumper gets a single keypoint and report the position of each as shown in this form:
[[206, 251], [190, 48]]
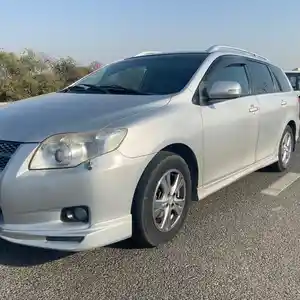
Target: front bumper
[[31, 201], [102, 234]]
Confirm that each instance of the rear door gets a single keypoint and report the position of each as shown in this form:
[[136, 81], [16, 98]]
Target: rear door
[[230, 127], [272, 108], [290, 96]]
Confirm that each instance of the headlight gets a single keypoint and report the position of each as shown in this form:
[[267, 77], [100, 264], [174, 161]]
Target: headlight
[[71, 149]]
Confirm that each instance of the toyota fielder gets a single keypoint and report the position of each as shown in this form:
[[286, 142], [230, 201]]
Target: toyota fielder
[[122, 152]]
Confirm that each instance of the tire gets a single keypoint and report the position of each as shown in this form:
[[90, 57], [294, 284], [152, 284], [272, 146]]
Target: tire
[[281, 165], [148, 230]]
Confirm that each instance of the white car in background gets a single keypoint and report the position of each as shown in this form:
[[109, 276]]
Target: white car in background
[[294, 78]]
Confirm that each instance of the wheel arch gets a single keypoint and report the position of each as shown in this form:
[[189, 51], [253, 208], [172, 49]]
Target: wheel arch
[[189, 157], [293, 126]]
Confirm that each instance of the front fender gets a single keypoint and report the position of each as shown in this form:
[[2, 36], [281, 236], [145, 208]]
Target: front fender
[[150, 132]]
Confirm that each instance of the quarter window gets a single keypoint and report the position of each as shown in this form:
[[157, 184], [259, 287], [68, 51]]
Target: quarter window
[[281, 79], [261, 79]]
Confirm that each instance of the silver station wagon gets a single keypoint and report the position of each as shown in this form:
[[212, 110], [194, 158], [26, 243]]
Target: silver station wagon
[[123, 151]]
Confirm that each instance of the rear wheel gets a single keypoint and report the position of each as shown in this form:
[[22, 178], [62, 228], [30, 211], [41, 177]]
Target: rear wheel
[[161, 200], [286, 148]]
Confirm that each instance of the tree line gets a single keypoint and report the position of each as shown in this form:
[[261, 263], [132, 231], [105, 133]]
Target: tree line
[[31, 74]]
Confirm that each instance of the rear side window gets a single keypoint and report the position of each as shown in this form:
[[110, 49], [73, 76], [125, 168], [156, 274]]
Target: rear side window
[[281, 79], [276, 83], [261, 78]]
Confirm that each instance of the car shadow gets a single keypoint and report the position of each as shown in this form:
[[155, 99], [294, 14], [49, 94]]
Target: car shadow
[[126, 245], [24, 256], [268, 169]]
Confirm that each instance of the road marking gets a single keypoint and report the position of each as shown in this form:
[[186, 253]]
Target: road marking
[[281, 184], [278, 208]]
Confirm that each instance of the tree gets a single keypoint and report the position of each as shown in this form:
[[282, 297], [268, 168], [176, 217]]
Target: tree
[[31, 74], [95, 65]]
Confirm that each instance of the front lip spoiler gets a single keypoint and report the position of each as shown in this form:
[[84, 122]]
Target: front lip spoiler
[[99, 235]]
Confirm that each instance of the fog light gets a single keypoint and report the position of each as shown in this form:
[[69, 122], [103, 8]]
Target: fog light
[[75, 214], [81, 214]]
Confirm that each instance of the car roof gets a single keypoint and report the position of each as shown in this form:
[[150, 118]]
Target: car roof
[[158, 54], [220, 49]]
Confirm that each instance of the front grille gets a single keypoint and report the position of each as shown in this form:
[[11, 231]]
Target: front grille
[[7, 149]]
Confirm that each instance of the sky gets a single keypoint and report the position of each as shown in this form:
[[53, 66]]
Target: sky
[[101, 30]]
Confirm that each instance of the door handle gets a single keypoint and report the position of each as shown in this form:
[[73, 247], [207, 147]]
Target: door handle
[[253, 108], [283, 103]]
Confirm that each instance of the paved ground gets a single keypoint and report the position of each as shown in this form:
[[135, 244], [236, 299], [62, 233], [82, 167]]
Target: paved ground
[[237, 244]]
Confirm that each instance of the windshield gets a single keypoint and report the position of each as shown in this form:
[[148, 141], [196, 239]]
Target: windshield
[[294, 79], [144, 75]]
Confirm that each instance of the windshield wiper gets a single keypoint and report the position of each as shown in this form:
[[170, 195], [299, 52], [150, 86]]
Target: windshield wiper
[[106, 89], [84, 87], [119, 88]]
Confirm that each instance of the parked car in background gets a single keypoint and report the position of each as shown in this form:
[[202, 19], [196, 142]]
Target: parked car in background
[[123, 151], [294, 78]]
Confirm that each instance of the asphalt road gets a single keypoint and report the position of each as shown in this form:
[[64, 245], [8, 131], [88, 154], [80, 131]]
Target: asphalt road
[[237, 244]]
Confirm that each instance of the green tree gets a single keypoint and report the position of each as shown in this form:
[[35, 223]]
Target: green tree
[[31, 74]]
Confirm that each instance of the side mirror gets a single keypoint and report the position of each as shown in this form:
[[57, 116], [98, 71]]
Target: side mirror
[[225, 90]]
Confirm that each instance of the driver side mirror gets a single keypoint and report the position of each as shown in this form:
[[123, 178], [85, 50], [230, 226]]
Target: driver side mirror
[[224, 90]]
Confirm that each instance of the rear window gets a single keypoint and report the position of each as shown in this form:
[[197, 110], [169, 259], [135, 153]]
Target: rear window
[[294, 79], [152, 74]]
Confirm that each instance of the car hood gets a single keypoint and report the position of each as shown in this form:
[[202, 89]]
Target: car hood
[[36, 118]]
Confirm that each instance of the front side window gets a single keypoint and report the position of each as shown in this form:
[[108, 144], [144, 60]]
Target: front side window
[[236, 73], [261, 78], [153, 74]]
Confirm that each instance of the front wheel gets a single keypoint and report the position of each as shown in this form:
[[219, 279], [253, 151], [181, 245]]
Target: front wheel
[[286, 148], [161, 200]]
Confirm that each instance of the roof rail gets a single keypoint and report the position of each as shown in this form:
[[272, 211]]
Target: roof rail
[[148, 53], [224, 48]]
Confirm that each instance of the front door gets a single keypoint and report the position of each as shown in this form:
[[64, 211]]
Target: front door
[[230, 127]]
